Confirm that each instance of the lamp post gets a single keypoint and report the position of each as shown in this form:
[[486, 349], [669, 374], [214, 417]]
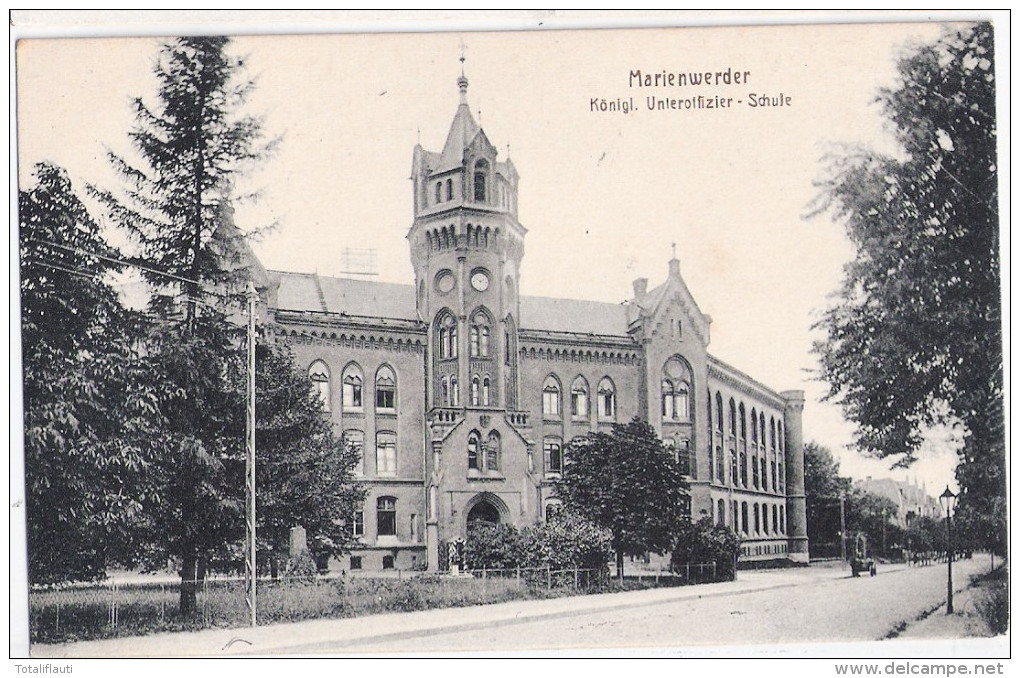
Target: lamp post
[[947, 499]]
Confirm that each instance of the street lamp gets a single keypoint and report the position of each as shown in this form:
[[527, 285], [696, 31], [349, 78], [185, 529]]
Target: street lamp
[[947, 499]]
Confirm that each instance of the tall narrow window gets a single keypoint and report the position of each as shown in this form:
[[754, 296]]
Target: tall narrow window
[[454, 393], [386, 516], [318, 372], [474, 343], [683, 448], [553, 452], [385, 389], [579, 398], [607, 399], [683, 401], [481, 170], [551, 397], [474, 460], [474, 390], [668, 400], [493, 452], [352, 387], [480, 333], [386, 453], [444, 392], [359, 523], [439, 192], [485, 391], [449, 189], [718, 412]]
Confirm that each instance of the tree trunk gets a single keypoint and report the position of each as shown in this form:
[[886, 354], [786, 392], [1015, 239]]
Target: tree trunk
[[189, 586], [619, 564]]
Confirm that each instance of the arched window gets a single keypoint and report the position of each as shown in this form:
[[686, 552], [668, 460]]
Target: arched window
[[449, 189], [668, 400], [743, 517], [493, 452], [474, 460], [352, 382], [439, 192], [733, 418], [765, 518], [552, 511], [385, 389], [475, 387], [551, 397], [607, 399], [579, 398], [676, 389], [386, 516], [720, 519], [481, 172], [775, 519], [480, 335], [743, 423], [718, 412], [782, 520], [354, 439], [754, 427], [386, 453], [454, 393], [318, 372], [485, 390], [757, 519], [446, 336], [552, 449], [683, 401], [444, 392]]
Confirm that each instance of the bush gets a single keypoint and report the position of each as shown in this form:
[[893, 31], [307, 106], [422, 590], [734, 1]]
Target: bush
[[704, 542], [992, 602], [565, 543], [302, 567]]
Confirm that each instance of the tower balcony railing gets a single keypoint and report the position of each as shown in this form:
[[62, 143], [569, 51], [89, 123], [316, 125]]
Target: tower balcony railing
[[443, 415], [519, 419]]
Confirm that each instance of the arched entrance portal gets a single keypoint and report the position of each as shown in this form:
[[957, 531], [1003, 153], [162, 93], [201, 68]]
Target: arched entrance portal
[[485, 509]]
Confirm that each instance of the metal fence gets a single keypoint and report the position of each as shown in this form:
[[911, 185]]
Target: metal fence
[[110, 609]]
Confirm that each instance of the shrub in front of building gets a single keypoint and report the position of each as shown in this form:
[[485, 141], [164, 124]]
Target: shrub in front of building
[[704, 542]]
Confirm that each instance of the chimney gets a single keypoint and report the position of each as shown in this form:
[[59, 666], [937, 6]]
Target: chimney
[[640, 287]]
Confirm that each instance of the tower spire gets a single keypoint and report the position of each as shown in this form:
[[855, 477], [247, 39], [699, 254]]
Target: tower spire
[[462, 81]]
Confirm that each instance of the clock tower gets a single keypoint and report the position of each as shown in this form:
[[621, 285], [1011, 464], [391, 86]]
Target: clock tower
[[466, 249]]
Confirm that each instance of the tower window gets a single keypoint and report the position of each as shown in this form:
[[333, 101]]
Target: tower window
[[449, 189], [480, 178], [439, 192], [385, 389], [474, 461]]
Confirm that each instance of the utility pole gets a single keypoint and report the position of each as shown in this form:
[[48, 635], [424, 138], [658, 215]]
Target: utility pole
[[249, 563], [842, 527]]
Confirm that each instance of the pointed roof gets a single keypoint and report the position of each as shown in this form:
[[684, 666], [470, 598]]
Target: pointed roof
[[463, 131]]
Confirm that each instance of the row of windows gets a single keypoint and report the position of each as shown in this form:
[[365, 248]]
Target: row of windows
[[579, 407], [480, 332], [680, 448], [442, 191], [353, 387], [742, 514], [484, 457], [765, 442], [385, 450]]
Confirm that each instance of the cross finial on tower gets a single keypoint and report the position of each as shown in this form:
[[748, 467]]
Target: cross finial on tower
[[462, 57], [462, 81]]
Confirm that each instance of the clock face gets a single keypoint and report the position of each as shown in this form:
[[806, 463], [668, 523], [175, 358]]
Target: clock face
[[445, 282], [480, 281]]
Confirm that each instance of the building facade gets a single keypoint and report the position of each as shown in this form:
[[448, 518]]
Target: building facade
[[461, 393]]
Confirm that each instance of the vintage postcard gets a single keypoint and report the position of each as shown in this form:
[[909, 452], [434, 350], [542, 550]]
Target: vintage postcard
[[548, 319]]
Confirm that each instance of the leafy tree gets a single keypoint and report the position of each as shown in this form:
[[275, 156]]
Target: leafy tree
[[915, 337], [86, 397], [704, 542], [873, 515], [304, 474], [824, 489], [628, 483], [191, 147]]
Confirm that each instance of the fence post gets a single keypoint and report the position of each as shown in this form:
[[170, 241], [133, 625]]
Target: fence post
[[658, 574]]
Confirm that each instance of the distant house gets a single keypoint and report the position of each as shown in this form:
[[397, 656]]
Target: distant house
[[911, 501]]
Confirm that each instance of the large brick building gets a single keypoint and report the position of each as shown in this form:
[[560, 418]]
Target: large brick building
[[461, 393]]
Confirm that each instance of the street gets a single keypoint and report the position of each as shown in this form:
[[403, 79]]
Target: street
[[803, 605]]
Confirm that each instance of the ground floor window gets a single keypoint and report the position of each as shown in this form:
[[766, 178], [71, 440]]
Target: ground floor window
[[386, 517]]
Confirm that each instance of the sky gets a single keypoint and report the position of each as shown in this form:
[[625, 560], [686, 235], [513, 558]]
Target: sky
[[604, 195]]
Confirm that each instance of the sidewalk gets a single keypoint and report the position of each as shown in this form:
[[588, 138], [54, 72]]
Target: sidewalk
[[314, 636]]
